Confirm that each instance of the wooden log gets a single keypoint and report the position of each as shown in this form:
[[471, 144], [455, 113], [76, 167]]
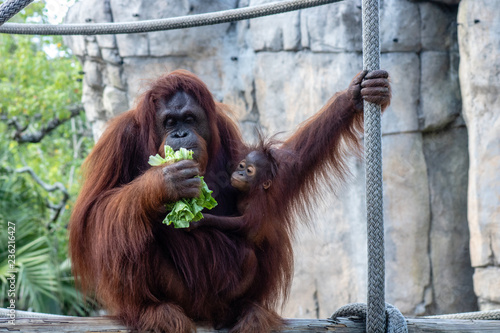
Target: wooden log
[[343, 325]]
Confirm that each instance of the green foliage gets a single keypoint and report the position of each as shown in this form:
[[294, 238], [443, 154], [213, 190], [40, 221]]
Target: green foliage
[[44, 282], [31, 82], [186, 210], [171, 156], [39, 80]]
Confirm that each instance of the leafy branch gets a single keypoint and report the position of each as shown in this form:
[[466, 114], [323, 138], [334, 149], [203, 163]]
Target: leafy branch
[[23, 135]]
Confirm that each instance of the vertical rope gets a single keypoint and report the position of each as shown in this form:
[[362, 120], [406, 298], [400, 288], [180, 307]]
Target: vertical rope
[[375, 318], [10, 8]]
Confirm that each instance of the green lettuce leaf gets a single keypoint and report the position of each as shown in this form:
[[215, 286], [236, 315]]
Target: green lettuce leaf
[[185, 210], [156, 160]]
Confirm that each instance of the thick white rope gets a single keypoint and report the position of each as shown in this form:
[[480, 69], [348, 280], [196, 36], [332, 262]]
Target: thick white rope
[[160, 24], [375, 317], [10, 8], [396, 323], [479, 315]]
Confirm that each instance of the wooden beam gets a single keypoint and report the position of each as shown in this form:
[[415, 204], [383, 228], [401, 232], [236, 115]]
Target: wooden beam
[[343, 325]]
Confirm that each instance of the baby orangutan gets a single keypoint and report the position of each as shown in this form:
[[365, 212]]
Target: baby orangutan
[[254, 173], [252, 176]]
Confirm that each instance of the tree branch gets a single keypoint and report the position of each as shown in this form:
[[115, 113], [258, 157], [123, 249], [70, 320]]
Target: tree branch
[[22, 135], [49, 188]]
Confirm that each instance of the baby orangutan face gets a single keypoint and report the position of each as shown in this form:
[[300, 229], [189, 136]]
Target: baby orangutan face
[[252, 172]]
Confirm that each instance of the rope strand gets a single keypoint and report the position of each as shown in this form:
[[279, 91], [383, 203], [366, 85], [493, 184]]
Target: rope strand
[[10, 8], [375, 317], [160, 24]]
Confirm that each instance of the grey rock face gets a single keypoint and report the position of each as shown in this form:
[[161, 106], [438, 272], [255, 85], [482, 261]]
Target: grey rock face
[[440, 94], [487, 288], [406, 198], [402, 114], [332, 28], [446, 151], [277, 71], [479, 24]]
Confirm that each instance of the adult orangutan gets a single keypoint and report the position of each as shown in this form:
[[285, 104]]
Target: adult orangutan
[[155, 277]]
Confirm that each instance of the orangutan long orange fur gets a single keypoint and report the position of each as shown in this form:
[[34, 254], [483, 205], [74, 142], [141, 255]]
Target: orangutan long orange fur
[[152, 276]]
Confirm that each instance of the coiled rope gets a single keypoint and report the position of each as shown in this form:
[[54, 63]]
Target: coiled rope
[[396, 323], [171, 23]]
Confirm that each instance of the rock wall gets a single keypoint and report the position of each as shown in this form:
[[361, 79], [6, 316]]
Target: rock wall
[[479, 37], [277, 71]]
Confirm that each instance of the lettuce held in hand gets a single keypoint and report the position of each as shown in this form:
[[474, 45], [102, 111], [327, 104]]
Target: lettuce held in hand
[[185, 210]]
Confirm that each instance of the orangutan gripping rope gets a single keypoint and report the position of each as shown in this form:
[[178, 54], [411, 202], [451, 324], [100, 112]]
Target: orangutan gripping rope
[[156, 277]]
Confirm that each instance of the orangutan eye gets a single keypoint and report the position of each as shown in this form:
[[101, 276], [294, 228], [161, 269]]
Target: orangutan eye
[[169, 122]]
